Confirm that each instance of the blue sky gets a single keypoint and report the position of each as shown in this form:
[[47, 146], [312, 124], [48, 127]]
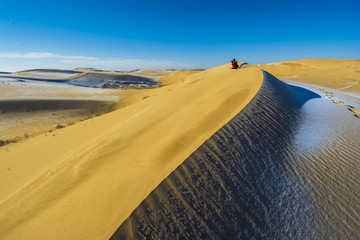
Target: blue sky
[[173, 34]]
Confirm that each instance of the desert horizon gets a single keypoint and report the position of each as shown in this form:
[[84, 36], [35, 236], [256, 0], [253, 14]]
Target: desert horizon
[[77, 96], [98, 151], [179, 120]]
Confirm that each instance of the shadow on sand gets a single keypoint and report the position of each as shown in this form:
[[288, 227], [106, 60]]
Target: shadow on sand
[[248, 181], [238, 184], [302, 95]]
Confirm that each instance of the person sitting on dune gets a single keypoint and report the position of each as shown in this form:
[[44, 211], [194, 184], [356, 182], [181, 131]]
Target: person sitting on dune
[[234, 64]]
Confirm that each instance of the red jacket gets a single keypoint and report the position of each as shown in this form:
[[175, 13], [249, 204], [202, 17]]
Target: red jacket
[[234, 64]]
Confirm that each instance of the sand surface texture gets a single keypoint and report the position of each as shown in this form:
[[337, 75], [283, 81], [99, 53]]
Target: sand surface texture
[[283, 168], [210, 154], [86, 179]]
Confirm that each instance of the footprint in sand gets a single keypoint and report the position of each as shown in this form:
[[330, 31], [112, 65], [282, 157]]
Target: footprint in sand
[[329, 95], [349, 107], [356, 112], [339, 103]]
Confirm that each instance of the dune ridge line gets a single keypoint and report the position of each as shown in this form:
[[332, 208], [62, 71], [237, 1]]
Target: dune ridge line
[[89, 177], [250, 180]]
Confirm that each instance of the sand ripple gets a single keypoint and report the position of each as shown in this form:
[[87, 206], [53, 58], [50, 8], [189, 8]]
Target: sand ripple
[[286, 167]]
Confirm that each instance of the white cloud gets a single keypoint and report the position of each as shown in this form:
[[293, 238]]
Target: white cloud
[[128, 64], [20, 61], [38, 55]]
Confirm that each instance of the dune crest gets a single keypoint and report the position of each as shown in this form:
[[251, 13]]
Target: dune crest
[[84, 180], [286, 167]]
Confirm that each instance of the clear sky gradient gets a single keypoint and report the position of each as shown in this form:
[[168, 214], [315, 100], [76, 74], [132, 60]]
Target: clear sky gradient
[[158, 34]]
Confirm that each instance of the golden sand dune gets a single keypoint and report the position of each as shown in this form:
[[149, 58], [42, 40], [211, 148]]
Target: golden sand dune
[[154, 72], [342, 74], [85, 179], [182, 160], [283, 168]]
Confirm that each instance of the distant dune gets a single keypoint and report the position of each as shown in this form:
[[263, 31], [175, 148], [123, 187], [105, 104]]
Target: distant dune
[[111, 80], [93, 78], [40, 100], [339, 74], [46, 73], [37, 101]]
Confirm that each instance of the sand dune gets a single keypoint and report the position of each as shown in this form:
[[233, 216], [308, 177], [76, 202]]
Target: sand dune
[[331, 76], [209, 154], [264, 175], [87, 178], [46, 73], [113, 80], [81, 78], [341, 74]]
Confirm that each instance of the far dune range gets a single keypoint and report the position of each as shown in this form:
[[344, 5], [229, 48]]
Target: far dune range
[[204, 154], [41, 100], [337, 74]]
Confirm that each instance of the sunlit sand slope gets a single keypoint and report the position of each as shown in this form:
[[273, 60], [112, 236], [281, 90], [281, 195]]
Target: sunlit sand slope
[[283, 168], [341, 74], [86, 179]]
